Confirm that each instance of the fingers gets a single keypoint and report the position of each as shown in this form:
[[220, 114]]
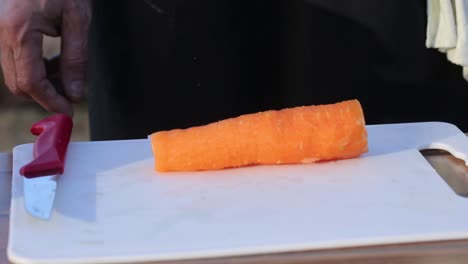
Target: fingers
[[74, 54], [8, 68], [31, 75], [52, 67], [9, 71], [21, 29], [21, 56]]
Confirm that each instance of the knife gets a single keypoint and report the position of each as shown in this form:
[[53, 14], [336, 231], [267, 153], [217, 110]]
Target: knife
[[40, 176]]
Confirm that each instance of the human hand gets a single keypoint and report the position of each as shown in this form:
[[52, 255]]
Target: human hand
[[22, 26]]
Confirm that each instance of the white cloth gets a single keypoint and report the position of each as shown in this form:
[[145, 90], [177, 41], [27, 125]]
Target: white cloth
[[447, 30]]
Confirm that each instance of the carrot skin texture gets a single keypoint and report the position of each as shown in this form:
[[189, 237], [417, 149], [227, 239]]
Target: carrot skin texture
[[296, 135]]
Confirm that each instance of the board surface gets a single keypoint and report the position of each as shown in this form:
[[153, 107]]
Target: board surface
[[111, 206], [5, 187]]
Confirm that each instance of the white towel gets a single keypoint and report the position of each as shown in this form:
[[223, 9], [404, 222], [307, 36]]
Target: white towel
[[447, 30]]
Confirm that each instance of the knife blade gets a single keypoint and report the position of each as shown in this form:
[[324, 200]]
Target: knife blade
[[41, 175], [39, 195]]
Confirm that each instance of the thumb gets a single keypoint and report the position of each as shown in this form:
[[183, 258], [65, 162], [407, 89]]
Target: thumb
[[74, 47]]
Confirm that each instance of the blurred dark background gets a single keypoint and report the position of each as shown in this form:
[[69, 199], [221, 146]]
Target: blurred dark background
[[163, 64]]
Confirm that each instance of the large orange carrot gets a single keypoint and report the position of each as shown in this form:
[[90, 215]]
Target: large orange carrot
[[294, 135]]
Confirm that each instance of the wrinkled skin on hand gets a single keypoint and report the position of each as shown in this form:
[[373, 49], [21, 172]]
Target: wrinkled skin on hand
[[23, 23]]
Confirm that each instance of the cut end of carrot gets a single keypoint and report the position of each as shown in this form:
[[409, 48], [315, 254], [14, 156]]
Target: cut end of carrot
[[298, 135]]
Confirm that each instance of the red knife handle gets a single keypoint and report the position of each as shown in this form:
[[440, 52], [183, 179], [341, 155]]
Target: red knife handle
[[50, 148]]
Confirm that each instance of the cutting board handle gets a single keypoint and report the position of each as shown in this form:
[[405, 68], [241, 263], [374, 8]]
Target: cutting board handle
[[449, 138], [51, 145]]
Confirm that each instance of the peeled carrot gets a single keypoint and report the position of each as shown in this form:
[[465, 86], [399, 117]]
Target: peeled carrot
[[289, 136]]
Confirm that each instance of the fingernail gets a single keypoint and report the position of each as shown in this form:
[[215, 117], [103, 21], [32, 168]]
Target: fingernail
[[76, 90]]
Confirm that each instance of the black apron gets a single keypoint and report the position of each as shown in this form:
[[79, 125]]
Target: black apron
[[164, 64]]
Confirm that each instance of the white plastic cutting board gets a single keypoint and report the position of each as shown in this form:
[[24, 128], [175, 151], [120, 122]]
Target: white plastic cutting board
[[111, 206]]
